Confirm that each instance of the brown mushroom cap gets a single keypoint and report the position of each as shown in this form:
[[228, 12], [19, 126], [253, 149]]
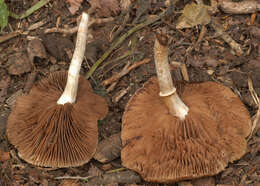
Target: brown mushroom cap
[[51, 135], [163, 148]]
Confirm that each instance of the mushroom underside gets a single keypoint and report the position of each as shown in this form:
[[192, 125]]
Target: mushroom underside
[[51, 135], [163, 148]]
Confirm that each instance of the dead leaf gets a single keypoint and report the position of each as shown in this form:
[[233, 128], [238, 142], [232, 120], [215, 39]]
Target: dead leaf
[[193, 15], [35, 48], [109, 149], [57, 46], [105, 8], [19, 64], [4, 156], [74, 5]]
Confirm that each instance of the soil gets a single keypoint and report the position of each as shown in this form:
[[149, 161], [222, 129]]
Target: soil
[[23, 63]]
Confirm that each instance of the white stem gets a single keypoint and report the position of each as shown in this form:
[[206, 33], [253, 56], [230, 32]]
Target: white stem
[[70, 93], [167, 89]]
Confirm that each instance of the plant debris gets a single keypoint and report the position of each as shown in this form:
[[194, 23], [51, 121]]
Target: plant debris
[[105, 8], [74, 5], [19, 64], [193, 15], [121, 34], [109, 149], [242, 7]]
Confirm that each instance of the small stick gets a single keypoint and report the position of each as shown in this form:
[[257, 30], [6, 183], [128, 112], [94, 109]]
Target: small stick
[[116, 170], [183, 68], [111, 87], [73, 30], [227, 38], [128, 53], [125, 71], [8, 36], [256, 100], [252, 19], [73, 178], [120, 94], [202, 34], [243, 7], [37, 25], [120, 40]]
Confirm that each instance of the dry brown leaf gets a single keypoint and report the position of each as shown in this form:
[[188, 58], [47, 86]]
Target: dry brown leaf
[[105, 8], [35, 48], [19, 64], [74, 5], [109, 149], [193, 14]]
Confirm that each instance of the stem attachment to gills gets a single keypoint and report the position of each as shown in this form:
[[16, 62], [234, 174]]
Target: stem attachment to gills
[[167, 89], [70, 93]]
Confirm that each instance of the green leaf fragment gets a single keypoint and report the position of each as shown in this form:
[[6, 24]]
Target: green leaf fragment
[[4, 13]]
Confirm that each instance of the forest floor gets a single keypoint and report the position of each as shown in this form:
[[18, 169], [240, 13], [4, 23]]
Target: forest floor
[[38, 50]]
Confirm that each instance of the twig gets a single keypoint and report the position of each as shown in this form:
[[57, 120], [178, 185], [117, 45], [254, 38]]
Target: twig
[[125, 70], [73, 30], [111, 87], [37, 25], [256, 99], [116, 170], [243, 7], [120, 94], [197, 43], [67, 31], [120, 40], [8, 36], [252, 19], [202, 34], [128, 53], [220, 31], [183, 68], [73, 178]]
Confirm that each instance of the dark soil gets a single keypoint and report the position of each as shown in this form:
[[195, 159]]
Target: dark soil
[[212, 60]]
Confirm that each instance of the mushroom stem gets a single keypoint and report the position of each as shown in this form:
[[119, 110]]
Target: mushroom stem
[[167, 90], [70, 93]]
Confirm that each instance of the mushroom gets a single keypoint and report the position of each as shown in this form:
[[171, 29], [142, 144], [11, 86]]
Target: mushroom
[[55, 125], [173, 131]]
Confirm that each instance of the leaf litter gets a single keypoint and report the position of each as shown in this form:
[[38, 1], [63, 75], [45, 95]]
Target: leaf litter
[[210, 55]]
